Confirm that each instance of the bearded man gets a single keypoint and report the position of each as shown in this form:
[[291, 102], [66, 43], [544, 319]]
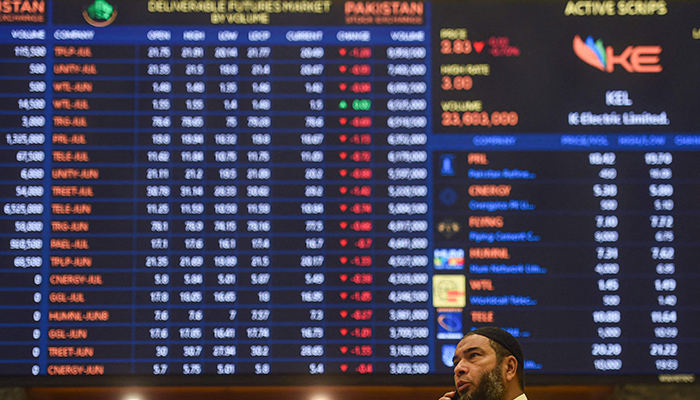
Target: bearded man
[[488, 365]]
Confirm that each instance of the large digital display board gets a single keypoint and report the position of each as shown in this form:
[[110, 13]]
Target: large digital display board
[[340, 188]]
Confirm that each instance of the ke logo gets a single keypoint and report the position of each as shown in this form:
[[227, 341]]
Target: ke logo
[[644, 59]]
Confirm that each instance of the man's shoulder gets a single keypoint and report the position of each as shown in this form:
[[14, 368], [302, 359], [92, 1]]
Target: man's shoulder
[[521, 397]]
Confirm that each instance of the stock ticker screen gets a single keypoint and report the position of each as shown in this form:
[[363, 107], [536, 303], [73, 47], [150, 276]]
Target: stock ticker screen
[[341, 188]]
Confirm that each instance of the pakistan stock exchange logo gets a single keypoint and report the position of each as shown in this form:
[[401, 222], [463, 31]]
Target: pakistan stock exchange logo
[[100, 13]]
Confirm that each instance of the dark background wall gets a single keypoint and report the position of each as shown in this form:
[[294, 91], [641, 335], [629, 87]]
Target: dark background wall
[[626, 392]]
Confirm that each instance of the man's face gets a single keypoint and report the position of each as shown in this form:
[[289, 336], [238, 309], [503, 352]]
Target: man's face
[[477, 374]]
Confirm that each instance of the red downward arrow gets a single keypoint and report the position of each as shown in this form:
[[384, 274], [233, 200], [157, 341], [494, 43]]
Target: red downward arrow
[[343, 207], [343, 155], [343, 86], [343, 295], [478, 46], [343, 260], [342, 69], [343, 242], [343, 225], [342, 51], [343, 190], [343, 278], [343, 331], [343, 121], [344, 367], [343, 138], [343, 349], [343, 172], [343, 313]]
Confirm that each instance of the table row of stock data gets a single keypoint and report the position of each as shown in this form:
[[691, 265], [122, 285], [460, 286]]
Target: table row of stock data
[[217, 198], [604, 242]]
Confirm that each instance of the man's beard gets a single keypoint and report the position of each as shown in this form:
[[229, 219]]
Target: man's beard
[[491, 387]]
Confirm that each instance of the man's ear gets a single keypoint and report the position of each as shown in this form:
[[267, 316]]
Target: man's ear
[[510, 368]]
